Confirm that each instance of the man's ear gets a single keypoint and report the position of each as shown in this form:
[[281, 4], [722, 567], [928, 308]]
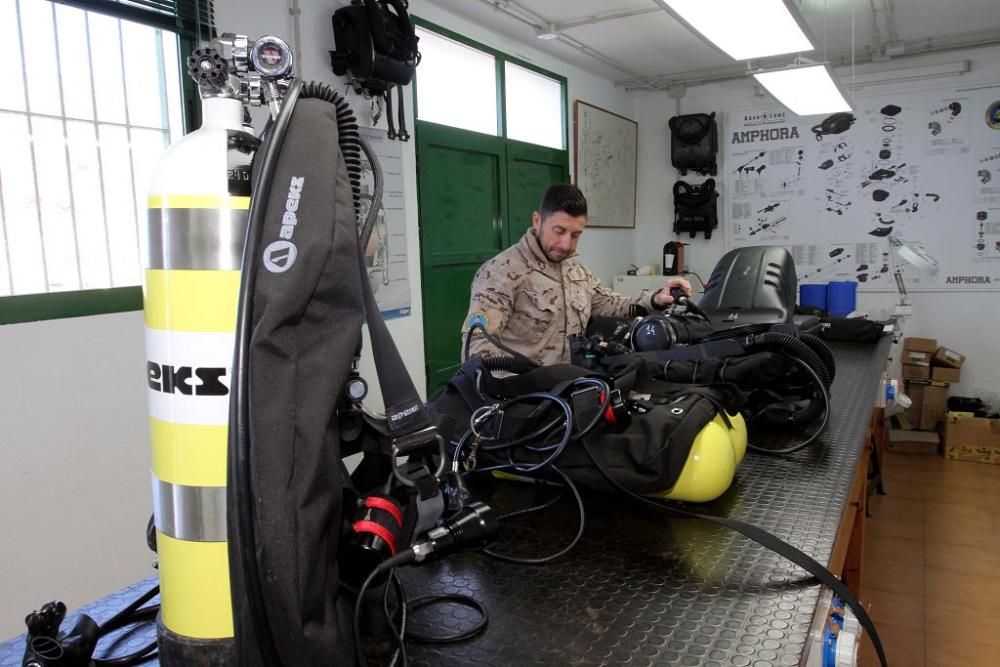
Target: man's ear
[[536, 221]]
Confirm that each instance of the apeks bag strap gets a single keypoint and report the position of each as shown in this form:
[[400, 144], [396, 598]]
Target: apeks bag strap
[[768, 541], [405, 412]]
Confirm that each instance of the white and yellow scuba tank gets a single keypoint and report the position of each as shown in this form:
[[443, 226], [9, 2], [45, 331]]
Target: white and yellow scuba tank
[[198, 208]]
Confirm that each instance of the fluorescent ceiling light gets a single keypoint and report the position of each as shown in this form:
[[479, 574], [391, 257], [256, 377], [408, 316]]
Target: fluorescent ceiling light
[[897, 75], [744, 29], [805, 89]]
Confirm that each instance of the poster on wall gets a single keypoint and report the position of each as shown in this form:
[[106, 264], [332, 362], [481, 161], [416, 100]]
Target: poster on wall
[[385, 254], [605, 163], [919, 169]]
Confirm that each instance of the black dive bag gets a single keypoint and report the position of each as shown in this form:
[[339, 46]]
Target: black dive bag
[[304, 297], [644, 452]]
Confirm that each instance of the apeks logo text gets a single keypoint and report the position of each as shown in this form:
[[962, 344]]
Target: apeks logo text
[[187, 380], [773, 134], [279, 256], [968, 280]]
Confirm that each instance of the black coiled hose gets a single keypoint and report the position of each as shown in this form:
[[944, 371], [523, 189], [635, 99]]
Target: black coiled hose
[[789, 344], [506, 363], [798, 349], [819, 346], [349, 137]]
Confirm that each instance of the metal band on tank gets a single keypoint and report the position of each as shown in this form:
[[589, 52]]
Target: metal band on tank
[[192, 513], [196, 238]]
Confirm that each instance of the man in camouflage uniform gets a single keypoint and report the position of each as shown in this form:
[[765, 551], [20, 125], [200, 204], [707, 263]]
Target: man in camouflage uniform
[[537, 292]]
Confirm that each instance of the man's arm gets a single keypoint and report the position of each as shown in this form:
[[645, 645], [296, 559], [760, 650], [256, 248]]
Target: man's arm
[[608, 303], [490, 306]]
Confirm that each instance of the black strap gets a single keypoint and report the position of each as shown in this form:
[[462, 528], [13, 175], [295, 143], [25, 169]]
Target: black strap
[[402, 134], [769, 541], [405, 412], [391, 132]]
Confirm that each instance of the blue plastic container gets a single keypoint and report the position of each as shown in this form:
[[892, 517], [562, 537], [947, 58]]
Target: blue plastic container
[[841, 297], [813, 296]]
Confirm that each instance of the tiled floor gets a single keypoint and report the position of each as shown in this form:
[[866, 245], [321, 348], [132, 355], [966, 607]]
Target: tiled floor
[[931, 572]]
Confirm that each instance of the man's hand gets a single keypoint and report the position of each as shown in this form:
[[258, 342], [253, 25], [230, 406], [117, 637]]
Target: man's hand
[[663, 298]]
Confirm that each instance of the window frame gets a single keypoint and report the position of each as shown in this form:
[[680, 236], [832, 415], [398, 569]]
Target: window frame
[[500, 71], [21, 308]]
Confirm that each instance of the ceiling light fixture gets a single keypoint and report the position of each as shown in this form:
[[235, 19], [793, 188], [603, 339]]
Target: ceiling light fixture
[[920, 73], [744, 29], [805, 88], [547, 32]]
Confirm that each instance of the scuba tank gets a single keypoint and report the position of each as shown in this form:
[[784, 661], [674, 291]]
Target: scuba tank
[[198, 208]]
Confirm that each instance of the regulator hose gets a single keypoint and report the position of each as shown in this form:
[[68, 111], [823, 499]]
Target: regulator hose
[[351, 147], [795, 348], [820, 347], [791, 345], [506, 363]]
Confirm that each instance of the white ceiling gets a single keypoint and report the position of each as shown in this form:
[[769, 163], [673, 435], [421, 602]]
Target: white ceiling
[[652, 45]]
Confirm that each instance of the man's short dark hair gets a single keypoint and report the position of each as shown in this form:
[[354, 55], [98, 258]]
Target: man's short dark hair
[[563, 197]]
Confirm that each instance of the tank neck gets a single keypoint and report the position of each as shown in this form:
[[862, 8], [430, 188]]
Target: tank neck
[[223, 113]]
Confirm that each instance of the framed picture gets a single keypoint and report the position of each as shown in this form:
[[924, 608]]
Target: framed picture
[[604, 164]]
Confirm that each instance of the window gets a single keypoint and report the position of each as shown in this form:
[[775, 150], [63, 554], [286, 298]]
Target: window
[[460, 82], [92, 102], [534, 107], [457, 85]]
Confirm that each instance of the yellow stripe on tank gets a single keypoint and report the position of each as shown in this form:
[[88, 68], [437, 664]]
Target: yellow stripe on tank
[[194, 588], [179, 300], [198, 201], [189, 454]]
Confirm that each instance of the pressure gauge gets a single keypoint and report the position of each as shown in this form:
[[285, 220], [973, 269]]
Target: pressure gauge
[[356, 389], [271, 57]]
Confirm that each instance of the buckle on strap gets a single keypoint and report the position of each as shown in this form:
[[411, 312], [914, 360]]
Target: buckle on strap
[[412, 443]]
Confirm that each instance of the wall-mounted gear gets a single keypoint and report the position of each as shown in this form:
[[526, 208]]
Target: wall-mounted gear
[[694, 142]]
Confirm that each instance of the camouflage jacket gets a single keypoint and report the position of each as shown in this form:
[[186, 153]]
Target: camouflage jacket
[[532, 305]]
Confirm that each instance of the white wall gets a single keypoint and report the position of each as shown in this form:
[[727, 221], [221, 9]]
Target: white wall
[[74, 444], [946, 316], [74, 462]]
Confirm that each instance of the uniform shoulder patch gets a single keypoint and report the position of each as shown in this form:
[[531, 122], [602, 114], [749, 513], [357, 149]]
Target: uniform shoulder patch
[[478, 319]]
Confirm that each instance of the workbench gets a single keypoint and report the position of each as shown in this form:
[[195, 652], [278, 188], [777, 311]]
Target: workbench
[[642, 589]]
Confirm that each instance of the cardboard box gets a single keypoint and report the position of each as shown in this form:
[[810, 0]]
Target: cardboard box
[[947, 358], [913, 442], [942, 374], [916, 394], [930, 403], [916, 372], [968, 438], [916, 358], [920, 344], [933, 407]]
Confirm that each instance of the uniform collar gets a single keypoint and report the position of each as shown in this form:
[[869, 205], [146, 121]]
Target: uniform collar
[[529, 243]]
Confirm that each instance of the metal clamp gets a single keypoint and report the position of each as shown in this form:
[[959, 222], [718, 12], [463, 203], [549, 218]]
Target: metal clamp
[[433, 434]]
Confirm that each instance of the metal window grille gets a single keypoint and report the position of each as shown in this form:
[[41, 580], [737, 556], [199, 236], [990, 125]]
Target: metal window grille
[[93, 103]]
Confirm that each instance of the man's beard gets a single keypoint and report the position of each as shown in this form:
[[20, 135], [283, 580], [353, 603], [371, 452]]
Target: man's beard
[[555, 260]]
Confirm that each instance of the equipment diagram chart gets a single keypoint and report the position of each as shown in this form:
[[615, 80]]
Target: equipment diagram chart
[[385, 254], [916, 168], [606, 163]]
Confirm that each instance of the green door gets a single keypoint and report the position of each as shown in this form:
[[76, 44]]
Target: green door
[[476, 194], [530, 170], [461, 183]]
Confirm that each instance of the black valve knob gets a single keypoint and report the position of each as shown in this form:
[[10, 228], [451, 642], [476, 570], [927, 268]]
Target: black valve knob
[[208, 68]]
